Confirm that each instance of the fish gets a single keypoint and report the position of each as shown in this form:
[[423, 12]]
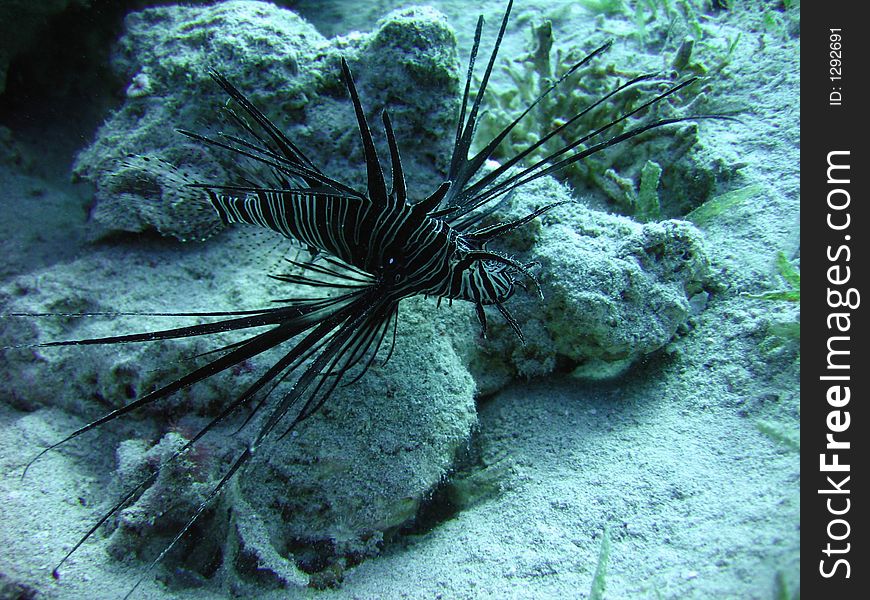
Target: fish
[[371, 249]]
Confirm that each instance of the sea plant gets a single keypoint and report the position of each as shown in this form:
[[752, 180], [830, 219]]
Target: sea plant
[[672, 43], [712, 208], [618, 174], [782, 331], [780, 433], [792, 278], [599, 579]]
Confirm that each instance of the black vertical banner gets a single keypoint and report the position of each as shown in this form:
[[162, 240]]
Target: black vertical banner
[[835, 368]]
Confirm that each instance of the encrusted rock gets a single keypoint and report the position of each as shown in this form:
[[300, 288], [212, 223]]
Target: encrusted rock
[[288, 70], [614, 291]]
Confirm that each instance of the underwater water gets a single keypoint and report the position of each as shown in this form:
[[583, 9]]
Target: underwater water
[[643, 440]]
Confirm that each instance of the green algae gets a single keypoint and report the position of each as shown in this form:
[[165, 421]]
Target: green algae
[[665, 34], [708, 212], [791, 276], [599, 579]]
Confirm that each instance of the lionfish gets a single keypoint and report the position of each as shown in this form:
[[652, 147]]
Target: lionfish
[[373, 248]]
